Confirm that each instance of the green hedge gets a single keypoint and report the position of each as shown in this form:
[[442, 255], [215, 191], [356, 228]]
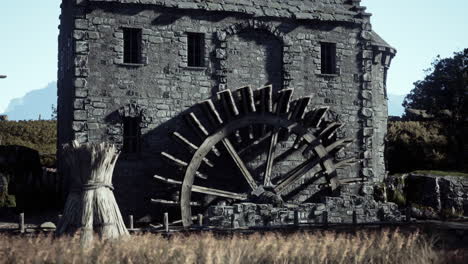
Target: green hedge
[[418, 145], [40, 135]]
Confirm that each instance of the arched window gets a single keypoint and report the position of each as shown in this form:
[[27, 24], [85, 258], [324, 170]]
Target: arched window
[[131, 135], [133, 118]]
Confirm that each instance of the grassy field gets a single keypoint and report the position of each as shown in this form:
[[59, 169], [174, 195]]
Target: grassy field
[[327, 247]]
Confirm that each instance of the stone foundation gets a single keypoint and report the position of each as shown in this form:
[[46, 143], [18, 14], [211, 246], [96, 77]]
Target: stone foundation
[[334, 210]]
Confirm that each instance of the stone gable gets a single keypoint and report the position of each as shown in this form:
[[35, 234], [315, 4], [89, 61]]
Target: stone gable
[[328, 10]]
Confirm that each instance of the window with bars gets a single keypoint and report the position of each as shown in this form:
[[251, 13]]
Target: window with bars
[[328, 58], [195, 49], [132, 135], [132, 45]]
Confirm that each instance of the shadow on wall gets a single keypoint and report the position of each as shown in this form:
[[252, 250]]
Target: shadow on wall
[[255, 57], [133, 176]]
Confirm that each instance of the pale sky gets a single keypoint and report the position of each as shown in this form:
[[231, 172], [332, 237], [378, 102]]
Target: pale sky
[[418, 29]]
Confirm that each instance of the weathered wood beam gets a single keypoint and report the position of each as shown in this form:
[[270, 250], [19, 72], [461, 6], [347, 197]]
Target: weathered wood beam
[[190, 147], [173, 160], [346, 163], [295, 174], [180, 164], [339, 144], [266, 99], [270, 158], [247, 99], [197, 126], [206, 190], [185, 142], [213, 115], [330, 130], [158, 226], [255, 143], [300, 108], [285, 95], [171, 203], [240, 164], [316, 116], [228, 103], [248, 105]]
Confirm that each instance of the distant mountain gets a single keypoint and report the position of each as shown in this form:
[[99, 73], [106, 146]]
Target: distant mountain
[[395, 102], [33, 104]]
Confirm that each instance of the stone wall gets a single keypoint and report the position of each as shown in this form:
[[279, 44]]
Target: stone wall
[[345, 209], [446, 195], [98, 85]]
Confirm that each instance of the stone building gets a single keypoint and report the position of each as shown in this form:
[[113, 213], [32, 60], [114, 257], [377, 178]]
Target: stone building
[[129, 70]]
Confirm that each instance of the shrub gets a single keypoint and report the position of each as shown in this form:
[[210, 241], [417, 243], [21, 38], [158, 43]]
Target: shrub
[[415, 145], [40, 135]]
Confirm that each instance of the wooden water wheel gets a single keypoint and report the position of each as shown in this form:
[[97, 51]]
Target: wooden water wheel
[[254, 146]]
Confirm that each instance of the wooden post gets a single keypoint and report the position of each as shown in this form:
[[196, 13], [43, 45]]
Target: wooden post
[[408, 213], [130, 221], [21, 226], [354, 218], [200, 220], [296, 218], [59, 219], [325, 218], [166, 222]]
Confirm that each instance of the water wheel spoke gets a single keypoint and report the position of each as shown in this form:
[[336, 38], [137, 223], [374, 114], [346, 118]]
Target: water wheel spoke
[[197, 126], [206, 190], [270, 158], [295, 174], [239, 163], [220, 193], [346, 163], [342, 143], [255, 143], [330, 130], [180, 164], [190, 147], [185, 142], [173, 160], [171, 203]]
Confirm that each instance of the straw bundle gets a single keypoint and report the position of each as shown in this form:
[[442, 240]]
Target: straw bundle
[[91, 205]]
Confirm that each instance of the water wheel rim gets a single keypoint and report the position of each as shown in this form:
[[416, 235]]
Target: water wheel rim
[[216, 137]]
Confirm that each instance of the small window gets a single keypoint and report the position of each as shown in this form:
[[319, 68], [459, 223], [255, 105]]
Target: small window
[[132, 45], [195, 49], [328, 58], [132, 135]]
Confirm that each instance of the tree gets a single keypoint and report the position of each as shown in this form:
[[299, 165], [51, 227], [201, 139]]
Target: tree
[[53, 116], [443, 94]]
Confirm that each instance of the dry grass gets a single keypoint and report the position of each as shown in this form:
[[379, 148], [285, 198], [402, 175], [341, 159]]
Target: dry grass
[[328, 247]]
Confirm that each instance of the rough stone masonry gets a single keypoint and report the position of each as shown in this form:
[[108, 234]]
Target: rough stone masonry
[[254, 42]]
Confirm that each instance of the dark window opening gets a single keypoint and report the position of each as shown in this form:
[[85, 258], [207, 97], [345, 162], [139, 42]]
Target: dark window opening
[[328, 58], [132, 45], [132, 135], [195, 49]]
